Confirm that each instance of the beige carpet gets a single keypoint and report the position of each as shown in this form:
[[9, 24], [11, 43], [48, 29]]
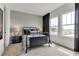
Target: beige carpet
[[13, 50]]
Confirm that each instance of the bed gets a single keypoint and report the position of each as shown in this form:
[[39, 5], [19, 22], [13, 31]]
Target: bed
[[33, 37]]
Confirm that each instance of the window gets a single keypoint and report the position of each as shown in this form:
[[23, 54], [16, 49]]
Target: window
[[54, 25], [68, 24]]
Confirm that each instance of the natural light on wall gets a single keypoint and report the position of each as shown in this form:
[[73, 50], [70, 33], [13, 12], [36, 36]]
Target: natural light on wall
[[54, 26], [67, 21], [68, 24]]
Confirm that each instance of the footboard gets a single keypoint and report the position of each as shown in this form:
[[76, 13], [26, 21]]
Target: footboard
[[35, 41]]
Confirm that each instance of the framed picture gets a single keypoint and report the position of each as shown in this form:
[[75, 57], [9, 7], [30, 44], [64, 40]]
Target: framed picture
[[1, 24]]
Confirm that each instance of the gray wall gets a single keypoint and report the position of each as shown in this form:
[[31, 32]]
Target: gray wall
[[23, 20], [65, 41]]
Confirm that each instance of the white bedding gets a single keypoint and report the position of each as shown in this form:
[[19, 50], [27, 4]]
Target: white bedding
[[35, 35]]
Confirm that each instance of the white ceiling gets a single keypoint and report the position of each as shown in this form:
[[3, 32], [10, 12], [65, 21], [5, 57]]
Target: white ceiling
[[34, 8]]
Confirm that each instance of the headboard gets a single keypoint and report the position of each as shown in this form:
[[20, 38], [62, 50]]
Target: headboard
[[29, 30]]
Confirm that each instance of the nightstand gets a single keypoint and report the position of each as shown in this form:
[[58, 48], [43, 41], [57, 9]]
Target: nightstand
[[16, 39]]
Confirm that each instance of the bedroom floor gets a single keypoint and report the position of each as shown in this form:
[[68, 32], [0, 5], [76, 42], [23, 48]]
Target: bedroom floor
[[54, 50]]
